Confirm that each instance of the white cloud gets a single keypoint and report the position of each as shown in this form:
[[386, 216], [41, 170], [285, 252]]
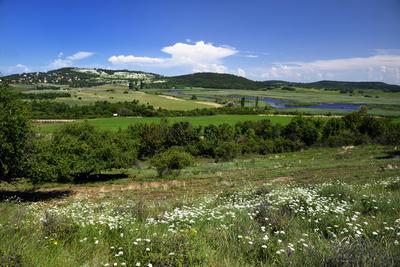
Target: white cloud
[[62, 62], [19, 68], [241, 72], [378, 68], [134, 59], [200, 56], [22, 67], [251, 56], [80, 55]]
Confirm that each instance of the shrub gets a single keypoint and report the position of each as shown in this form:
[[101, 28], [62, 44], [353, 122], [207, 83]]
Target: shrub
[[302, 129], [286, 145], [226, 151], [173, 159]]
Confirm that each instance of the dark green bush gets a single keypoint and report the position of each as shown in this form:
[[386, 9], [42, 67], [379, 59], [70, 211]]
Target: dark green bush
[[173, 159], [226, 151]]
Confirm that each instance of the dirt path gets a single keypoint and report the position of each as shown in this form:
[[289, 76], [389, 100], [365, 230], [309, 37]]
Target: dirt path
[[52, 121], [172, 97], [216, 105]]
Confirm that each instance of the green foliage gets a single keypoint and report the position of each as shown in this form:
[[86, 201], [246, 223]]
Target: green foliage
[[212, 80], [226, 151], [47, 95], [14, 133], [302, 129], [173, 159], [77, 151]]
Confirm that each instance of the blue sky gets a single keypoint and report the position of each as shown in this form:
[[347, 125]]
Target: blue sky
[[288, 39]]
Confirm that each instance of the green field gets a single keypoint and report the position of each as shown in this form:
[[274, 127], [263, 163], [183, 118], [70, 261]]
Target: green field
[[318, 207], [118, 93], [114, 124], [380, 103]]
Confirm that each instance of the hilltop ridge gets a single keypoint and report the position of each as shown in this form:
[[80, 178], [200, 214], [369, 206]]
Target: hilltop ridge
[[92, 76]]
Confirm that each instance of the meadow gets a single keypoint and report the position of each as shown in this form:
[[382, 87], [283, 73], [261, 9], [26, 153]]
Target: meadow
[[119, 93], [321, 206], [379, 103], [115, 123]]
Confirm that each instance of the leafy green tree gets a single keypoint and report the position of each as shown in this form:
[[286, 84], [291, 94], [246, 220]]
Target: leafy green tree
[[242, 102], [173, 159], [302, 129], [182, 134], [226, 151], [256, 104], [77, 151], [15, 133], [333, 127]]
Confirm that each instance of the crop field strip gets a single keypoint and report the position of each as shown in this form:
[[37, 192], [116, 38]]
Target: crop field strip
[[113, 124]]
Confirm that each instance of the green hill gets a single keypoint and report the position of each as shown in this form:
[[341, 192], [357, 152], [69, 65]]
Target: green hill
[[213, 80], [80, 77]]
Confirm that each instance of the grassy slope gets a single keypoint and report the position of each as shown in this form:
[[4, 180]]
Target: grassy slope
[[217, 242], [114, 124], [115, 93]]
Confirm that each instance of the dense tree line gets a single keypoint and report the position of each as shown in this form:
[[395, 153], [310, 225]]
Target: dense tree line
[[57, 110], [47, 95], [79, 150]]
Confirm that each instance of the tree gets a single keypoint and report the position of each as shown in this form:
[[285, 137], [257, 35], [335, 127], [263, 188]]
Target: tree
[[256, 104], [242, 102], [15, 133], [302, 129], [77, 151], [131, 85], [172, 159]]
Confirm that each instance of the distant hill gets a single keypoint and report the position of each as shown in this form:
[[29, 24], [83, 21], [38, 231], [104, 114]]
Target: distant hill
[[80, 77], [339, 85], [214, 80]]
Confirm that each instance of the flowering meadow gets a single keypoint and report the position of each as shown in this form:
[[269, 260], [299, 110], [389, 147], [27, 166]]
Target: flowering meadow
[[275, 222], [330, 224]]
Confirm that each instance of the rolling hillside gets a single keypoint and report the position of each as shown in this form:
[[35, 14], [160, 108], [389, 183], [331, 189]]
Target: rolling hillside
[[80, 77]]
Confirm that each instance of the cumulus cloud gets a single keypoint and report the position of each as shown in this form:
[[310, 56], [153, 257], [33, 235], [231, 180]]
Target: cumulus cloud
[[200, 56], [62, 62], [380, 67]]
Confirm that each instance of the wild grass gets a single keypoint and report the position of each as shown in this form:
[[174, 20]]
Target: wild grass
[[293, 209]]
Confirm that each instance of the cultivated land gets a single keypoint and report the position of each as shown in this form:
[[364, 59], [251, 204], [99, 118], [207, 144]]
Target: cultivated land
[[379, 103], [116, 93], [321, 206], [114, 124]]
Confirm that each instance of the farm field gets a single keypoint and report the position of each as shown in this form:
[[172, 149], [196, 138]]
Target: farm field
[[115, 93], [113, 124], [318, 206], [119, 93], [380, 103]]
